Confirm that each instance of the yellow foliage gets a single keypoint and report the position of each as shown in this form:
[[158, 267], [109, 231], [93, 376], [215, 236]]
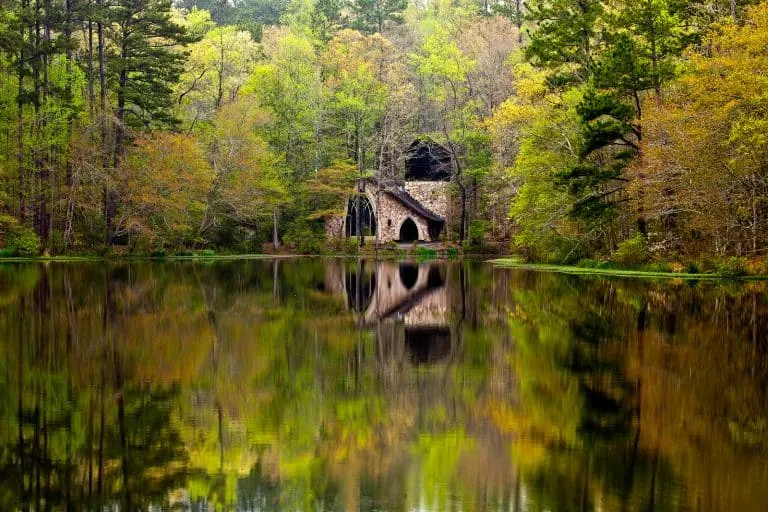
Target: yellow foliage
[[705, 148], [164, 182]]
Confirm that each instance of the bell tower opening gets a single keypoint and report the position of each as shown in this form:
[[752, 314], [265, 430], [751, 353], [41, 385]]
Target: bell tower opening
[[427, 161]]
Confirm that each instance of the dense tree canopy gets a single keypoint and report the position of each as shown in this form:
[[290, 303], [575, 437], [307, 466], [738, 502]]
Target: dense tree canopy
[[569, 125]]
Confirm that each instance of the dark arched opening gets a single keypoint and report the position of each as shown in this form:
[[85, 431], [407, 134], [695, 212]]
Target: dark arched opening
[[408, 231], [428, 344], [360, 284], [434, 278], [409, 274], [427, 161], [360, 205], [434, 230]]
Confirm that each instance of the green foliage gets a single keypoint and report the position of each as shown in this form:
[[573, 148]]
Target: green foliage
[[390, 246], [732, 267], [288, 101], [596, 184], [371, 16], [142, 60], [659, 266], [632, 252], [478, 232], [692, 268], [16, 239], [565, 36], [307, 237], [341, 245], [425, 253]]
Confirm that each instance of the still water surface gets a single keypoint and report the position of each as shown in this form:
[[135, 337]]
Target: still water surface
[[319, 385]]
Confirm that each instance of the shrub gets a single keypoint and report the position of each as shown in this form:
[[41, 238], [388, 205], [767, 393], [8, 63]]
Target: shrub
[[207, 253], [478, 230], [306, 239], [588, 263], [58, 244], [708, 264], [425, 253], [310, 245], [732, 267], [452, 253], [661, 266], [341, 245], [632, 252], [390, 246], [351, 246], [692, 268], [17, 239]]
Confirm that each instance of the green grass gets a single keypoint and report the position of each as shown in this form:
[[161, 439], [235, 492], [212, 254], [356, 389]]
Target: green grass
[[513, 263], [140, 257]]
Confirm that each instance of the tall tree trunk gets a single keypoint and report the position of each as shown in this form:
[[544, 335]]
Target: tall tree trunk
[[117, 154], [20, 113], [91, 80], [69, 178], [275, 222], [360, 186], [108, 200], [220, 81], [39, 75]]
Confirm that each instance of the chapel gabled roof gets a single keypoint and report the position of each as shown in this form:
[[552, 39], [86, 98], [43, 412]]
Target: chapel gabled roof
[[408, 201]]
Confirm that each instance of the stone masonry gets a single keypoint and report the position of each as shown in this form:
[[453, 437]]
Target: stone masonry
[[423, 202], [432, 194]]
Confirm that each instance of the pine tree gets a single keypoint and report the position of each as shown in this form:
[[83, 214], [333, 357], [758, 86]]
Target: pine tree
[[371, 16], [565, 36], [143, 64]]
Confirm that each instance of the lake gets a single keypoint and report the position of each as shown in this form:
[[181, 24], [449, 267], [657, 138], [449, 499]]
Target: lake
[[335, 384]]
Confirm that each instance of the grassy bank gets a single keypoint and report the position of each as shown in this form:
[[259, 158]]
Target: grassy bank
[[139, 257], [651, 274]]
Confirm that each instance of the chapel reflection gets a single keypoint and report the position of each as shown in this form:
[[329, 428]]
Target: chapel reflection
[[403, 303], [335, 384]]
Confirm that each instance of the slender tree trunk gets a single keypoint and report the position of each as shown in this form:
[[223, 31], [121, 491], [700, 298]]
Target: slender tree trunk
[[40, 77], [220, 84], [275, 223], [20, 113], [102, 418], [20, 410], [754, 223], [91, 80], [360, 186], [123, 434], [108, 200]]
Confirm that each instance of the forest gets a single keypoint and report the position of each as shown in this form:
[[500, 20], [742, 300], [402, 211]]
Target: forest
[[578, 130]]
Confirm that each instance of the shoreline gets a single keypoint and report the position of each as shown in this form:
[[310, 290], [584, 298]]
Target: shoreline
[[643, 274], [501, 262]]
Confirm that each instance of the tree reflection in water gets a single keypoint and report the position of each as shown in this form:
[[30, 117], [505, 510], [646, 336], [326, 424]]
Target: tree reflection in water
[[350, 385]]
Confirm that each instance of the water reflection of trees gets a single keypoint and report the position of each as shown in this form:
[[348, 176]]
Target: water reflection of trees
[[258, 384]]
